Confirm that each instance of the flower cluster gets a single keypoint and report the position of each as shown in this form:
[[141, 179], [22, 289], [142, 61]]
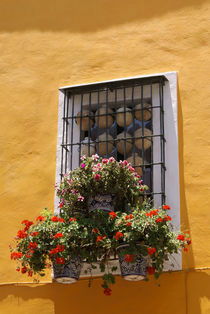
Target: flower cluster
[[99, 176], [54, 240], [95, 236]]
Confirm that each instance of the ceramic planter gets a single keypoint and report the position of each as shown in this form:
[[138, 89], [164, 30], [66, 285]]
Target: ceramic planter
[[68, 273], [103, 202], [132, 271]]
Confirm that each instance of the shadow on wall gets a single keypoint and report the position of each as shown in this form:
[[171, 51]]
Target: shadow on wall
[[83, 15], [187, 259], [80, 299]]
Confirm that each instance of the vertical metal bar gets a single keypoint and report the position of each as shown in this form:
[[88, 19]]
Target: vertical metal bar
[[124, 96], [151, 157], [161, 143], [133, 130], [142, 122], [163, 138], [107, 97], [80, 134], [62, 147], [89, 123], [97, 118], [115, 106], [67, 127], [72, 131]]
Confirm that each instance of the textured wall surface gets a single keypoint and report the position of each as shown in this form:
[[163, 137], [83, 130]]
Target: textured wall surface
[[48, 44]]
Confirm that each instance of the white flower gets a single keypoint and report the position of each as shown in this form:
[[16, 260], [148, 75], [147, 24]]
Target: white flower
[[95, 157]]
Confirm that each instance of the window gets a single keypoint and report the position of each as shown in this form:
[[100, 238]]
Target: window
[[133, 119]]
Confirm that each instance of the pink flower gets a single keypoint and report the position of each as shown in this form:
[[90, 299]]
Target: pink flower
[[80, 198], [66, 175], [83, 157], [131, 169], [104, 161], [83, 165], [74, 191], [125, 162], [95, 157], [111, 159], [97, 177]]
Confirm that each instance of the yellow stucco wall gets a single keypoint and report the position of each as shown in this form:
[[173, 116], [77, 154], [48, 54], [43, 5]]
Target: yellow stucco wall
[[51, 43]]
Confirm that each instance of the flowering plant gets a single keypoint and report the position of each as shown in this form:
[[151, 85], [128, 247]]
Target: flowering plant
[[95, 239], [100, 176]]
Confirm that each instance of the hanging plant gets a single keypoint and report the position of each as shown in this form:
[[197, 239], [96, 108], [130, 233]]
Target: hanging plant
[[100, 183]]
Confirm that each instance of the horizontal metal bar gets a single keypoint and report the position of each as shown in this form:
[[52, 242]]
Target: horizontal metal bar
[[123, 83], [112, 114], [117, 140]]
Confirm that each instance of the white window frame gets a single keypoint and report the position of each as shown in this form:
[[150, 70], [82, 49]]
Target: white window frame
[[171, 151]]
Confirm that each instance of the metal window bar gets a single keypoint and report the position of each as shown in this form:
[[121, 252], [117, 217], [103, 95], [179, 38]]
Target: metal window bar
[[115, 95]]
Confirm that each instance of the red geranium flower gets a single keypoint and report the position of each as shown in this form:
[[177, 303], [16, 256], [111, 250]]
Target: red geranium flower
[[151, 250], [180, 237], [61, 204], [21, 234], [72, 219], [166, 218], [30, 273], [107, 291], [128, 224], [55, 219], [188, 241], [129, 258], [40, 218], [112, 215], [166, 207], [24, 270], [34, 234], [58, 235], [27, 224], [118, 235], [97, 177], [53, 251], [32, 245], [16, 255], [100, 238], [94, 230], [128, 217], [60, 248], [150, 270], [28, 255], [159, 220], [60, 260], [153, 212]]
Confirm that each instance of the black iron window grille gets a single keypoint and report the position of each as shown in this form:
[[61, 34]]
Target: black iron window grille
[[123, 119]]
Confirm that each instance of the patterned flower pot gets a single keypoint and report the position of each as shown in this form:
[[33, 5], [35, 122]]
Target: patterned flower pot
[[132, 271], [68, 273], [103, 202]]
